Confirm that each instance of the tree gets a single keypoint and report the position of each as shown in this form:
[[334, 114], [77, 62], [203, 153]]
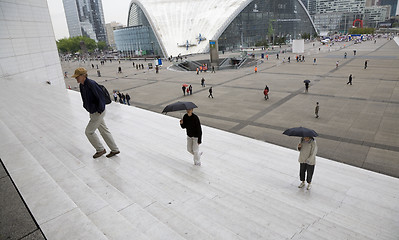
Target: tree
[[72, 45], [101, 45], [305, 35], [361, 31]]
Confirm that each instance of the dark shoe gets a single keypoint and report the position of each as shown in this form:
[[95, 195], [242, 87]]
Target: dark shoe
[[111, 154], [99, 154]]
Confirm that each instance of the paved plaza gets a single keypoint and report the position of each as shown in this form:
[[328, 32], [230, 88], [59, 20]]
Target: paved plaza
[[358, 123]]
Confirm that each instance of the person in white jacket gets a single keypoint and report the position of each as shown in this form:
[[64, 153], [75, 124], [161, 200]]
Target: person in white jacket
[[307, 159]]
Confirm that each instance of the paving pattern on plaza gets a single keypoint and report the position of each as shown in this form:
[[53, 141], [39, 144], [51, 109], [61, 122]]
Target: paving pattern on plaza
[[357, 124]]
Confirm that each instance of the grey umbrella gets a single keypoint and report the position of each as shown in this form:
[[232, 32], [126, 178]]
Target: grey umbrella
[[300, 132], [177, 106], [306, 81]]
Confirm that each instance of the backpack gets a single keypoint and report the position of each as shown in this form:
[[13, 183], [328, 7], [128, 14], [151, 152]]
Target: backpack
[[107, 97]]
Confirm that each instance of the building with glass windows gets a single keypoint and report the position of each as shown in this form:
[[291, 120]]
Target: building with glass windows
[[182, 27], [85, 18]]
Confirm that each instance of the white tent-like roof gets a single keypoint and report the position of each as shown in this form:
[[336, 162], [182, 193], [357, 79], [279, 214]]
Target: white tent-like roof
[[178, 22]]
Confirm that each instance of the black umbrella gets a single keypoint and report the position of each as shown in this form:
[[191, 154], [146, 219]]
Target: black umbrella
[[177, 106], [300, 132], [306, 81]]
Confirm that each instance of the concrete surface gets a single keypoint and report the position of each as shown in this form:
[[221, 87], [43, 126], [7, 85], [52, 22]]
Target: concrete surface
[[15, 219], [357, 124]]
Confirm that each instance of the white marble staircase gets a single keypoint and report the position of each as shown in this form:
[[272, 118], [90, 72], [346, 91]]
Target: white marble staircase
[[245, 189]]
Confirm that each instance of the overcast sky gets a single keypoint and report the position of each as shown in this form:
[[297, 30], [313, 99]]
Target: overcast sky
[[114, 10]]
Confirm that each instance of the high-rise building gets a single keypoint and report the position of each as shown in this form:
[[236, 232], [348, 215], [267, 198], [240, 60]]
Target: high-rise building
[[328, 6], [392, 3], [110, 27], [85, 18]]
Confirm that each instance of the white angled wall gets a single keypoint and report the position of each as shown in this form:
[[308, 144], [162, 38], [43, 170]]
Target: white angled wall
[[28, 52]]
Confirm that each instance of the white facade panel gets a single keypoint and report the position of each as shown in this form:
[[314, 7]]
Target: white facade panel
[[29, 53]]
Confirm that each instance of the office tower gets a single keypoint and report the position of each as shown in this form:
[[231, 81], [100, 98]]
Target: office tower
[[392, 3], [110, 27], [85, 18]]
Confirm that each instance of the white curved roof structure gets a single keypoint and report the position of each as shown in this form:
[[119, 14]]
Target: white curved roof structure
[[178, 23]]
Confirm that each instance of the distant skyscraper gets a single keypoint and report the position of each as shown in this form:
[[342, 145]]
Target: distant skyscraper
[[110, 32], [392, 3], [85, 18]]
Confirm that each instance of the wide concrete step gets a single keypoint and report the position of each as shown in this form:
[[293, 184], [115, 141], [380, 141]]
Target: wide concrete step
[[245, 189]]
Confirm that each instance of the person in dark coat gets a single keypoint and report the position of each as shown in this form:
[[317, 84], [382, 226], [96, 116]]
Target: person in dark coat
[[184, 90], [350, 80], [192, 124], [94, 102], [365, 64], [127, 98], [123, 98], [190, 88], [306, 86], [210, 92], [203, 82]]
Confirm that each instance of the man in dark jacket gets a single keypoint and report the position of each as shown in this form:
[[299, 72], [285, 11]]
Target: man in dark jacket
[[192, 125], [94, 103]]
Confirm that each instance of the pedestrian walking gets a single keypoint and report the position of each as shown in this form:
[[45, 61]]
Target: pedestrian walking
[[306, 86], [336, 64], [345, 54], [123, 97], [350, 80], [197, 70], [256, 69], [210, 92], [192, 124], [213, 69], [184, 90], [354, 52], [307, 160], [94, 102], [266, 92], [190, 88], [314, 61], [119, 70], [203, 82], [128, 99], [365, 64], [115, 96], [316, 110]]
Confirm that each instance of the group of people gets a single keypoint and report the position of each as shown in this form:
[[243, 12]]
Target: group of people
[[139, 66], [204, 68], [123, 99], [94, 102], [188, 89]]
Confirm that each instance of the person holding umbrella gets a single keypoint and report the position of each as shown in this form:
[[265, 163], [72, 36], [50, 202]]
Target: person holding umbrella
[[307, 82], [192, 125], [307, 159], [307, 153]]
